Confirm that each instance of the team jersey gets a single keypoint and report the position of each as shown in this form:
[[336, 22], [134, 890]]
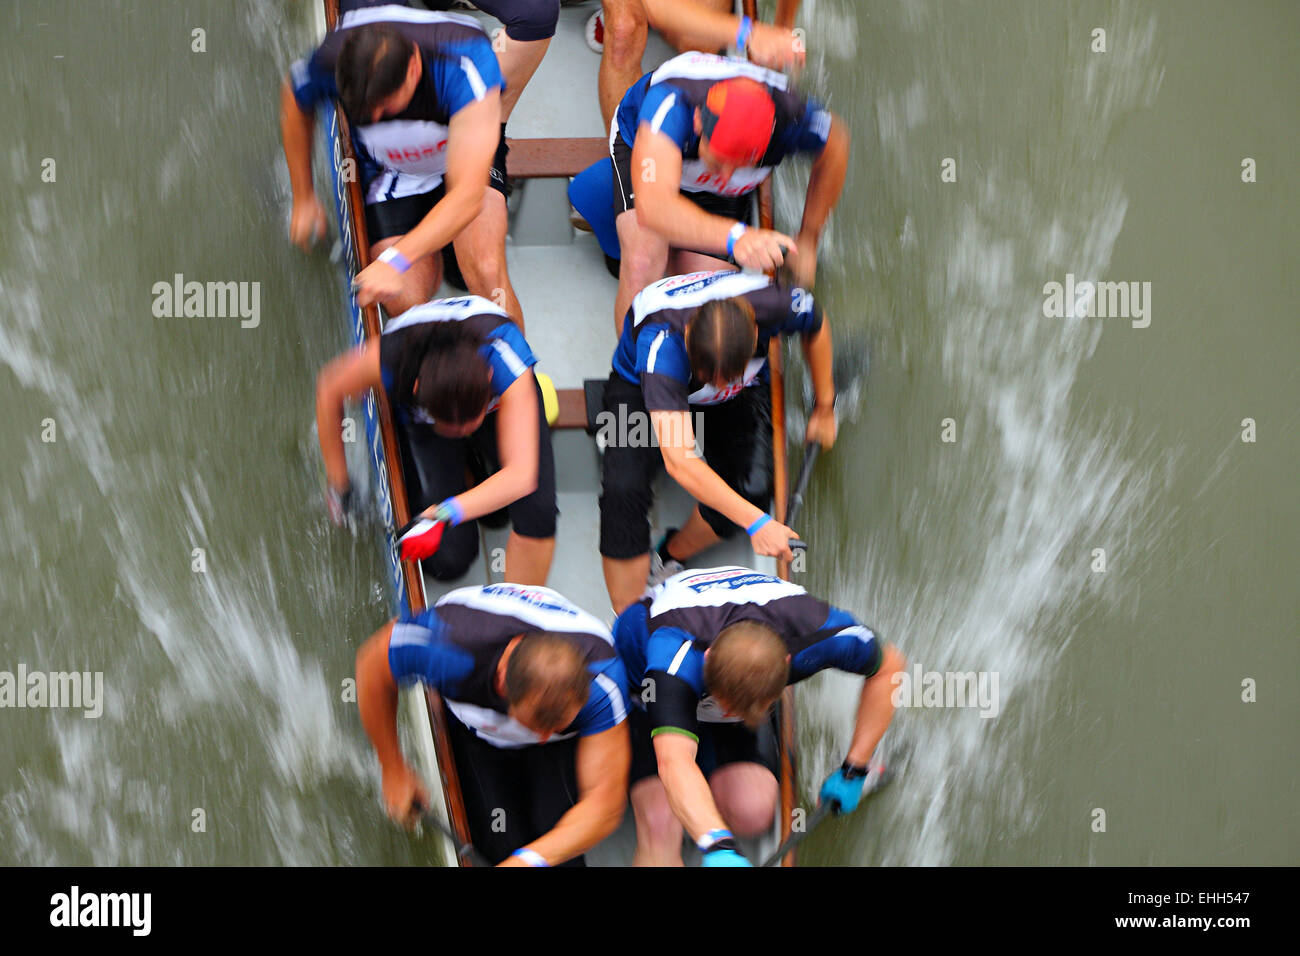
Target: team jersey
[[652, 349], [504, 347], [456, 645], [668, 98], [662, 639], [406, 155]]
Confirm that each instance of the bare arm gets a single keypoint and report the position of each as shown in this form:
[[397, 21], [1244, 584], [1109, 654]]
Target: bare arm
[[770, 46], [602, 765], [875, 707], [826, 181], [347, 376], [296, 128], [472, 137], [660, 207], [688, 791], [517, 439], [819, 355], [404, 794], [677, 443]]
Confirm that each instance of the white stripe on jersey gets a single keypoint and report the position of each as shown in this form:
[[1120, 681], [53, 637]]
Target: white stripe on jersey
[[654, 350], [615, 695], [660, 113], [693, 290], [679, 657], [356, 18], [541, 607], [406, 634], [709, 66], [475, 80], [444, 310], [710, 587], [298, 72], [513, 361]]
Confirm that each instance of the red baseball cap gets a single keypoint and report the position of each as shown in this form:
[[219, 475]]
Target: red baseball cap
[[738, 116]]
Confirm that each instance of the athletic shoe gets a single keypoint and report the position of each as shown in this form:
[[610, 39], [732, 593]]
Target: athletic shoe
[[596, 32], [661, 568]]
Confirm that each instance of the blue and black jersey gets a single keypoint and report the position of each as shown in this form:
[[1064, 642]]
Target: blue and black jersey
[[505, 350], [456, 645], [668, 98], [662, 639], [406, 155], [652, 349]]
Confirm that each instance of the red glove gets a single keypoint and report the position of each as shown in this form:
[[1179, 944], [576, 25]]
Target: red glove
[[421, 539]]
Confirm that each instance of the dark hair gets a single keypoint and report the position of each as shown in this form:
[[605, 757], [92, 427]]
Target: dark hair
[[746, 669], [551, 671], [721, 340], [443, 358], [371, 67]]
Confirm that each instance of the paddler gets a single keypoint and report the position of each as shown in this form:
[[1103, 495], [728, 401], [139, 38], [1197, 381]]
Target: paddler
[[535, 700], [690, 143], [422, 92], [707, 655], [459, 376], [695, 346]]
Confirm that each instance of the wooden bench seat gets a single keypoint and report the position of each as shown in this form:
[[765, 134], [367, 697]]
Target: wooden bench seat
[[553, 157]]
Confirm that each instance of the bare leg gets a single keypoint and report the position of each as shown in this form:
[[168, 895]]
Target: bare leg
[[625, 578], [620, 64], [528, 560], [481, 252], [419, 283], [519, 61], [693, 537], [644, 260], [658, 831], [682, 261], [684, 41], [746, 797]]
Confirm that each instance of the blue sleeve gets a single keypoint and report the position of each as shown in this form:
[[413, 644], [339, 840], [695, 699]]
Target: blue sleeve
[[508, 355], [672, 651], [810, 133], [800, 312], [667, 110], [663, 368], [606, 705], [311, 82], [466, 73], [417, 651], [842, 643]]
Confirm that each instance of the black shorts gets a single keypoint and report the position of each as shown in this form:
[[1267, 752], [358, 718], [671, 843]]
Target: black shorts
[[730, 207], [397, 217], [737, 444], [523, 19], [434, 469], [513, 795], [720, 745]]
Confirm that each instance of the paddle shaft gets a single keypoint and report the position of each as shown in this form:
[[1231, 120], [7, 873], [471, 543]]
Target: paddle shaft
[[794, 839], [795, 504], [467, 850]]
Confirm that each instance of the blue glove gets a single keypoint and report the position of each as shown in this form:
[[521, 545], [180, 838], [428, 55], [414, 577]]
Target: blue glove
[[843, 788], [724, 857]]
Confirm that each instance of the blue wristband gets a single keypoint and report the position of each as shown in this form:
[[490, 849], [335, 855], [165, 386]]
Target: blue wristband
[[753, 528], [392, 257], [742, 35], [736, 232], [450, 511], [712, 837], [531, 857]]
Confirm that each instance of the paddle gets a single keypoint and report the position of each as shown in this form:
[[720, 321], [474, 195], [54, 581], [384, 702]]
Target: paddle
[[792, 509], [466, 850], [820, 814]]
